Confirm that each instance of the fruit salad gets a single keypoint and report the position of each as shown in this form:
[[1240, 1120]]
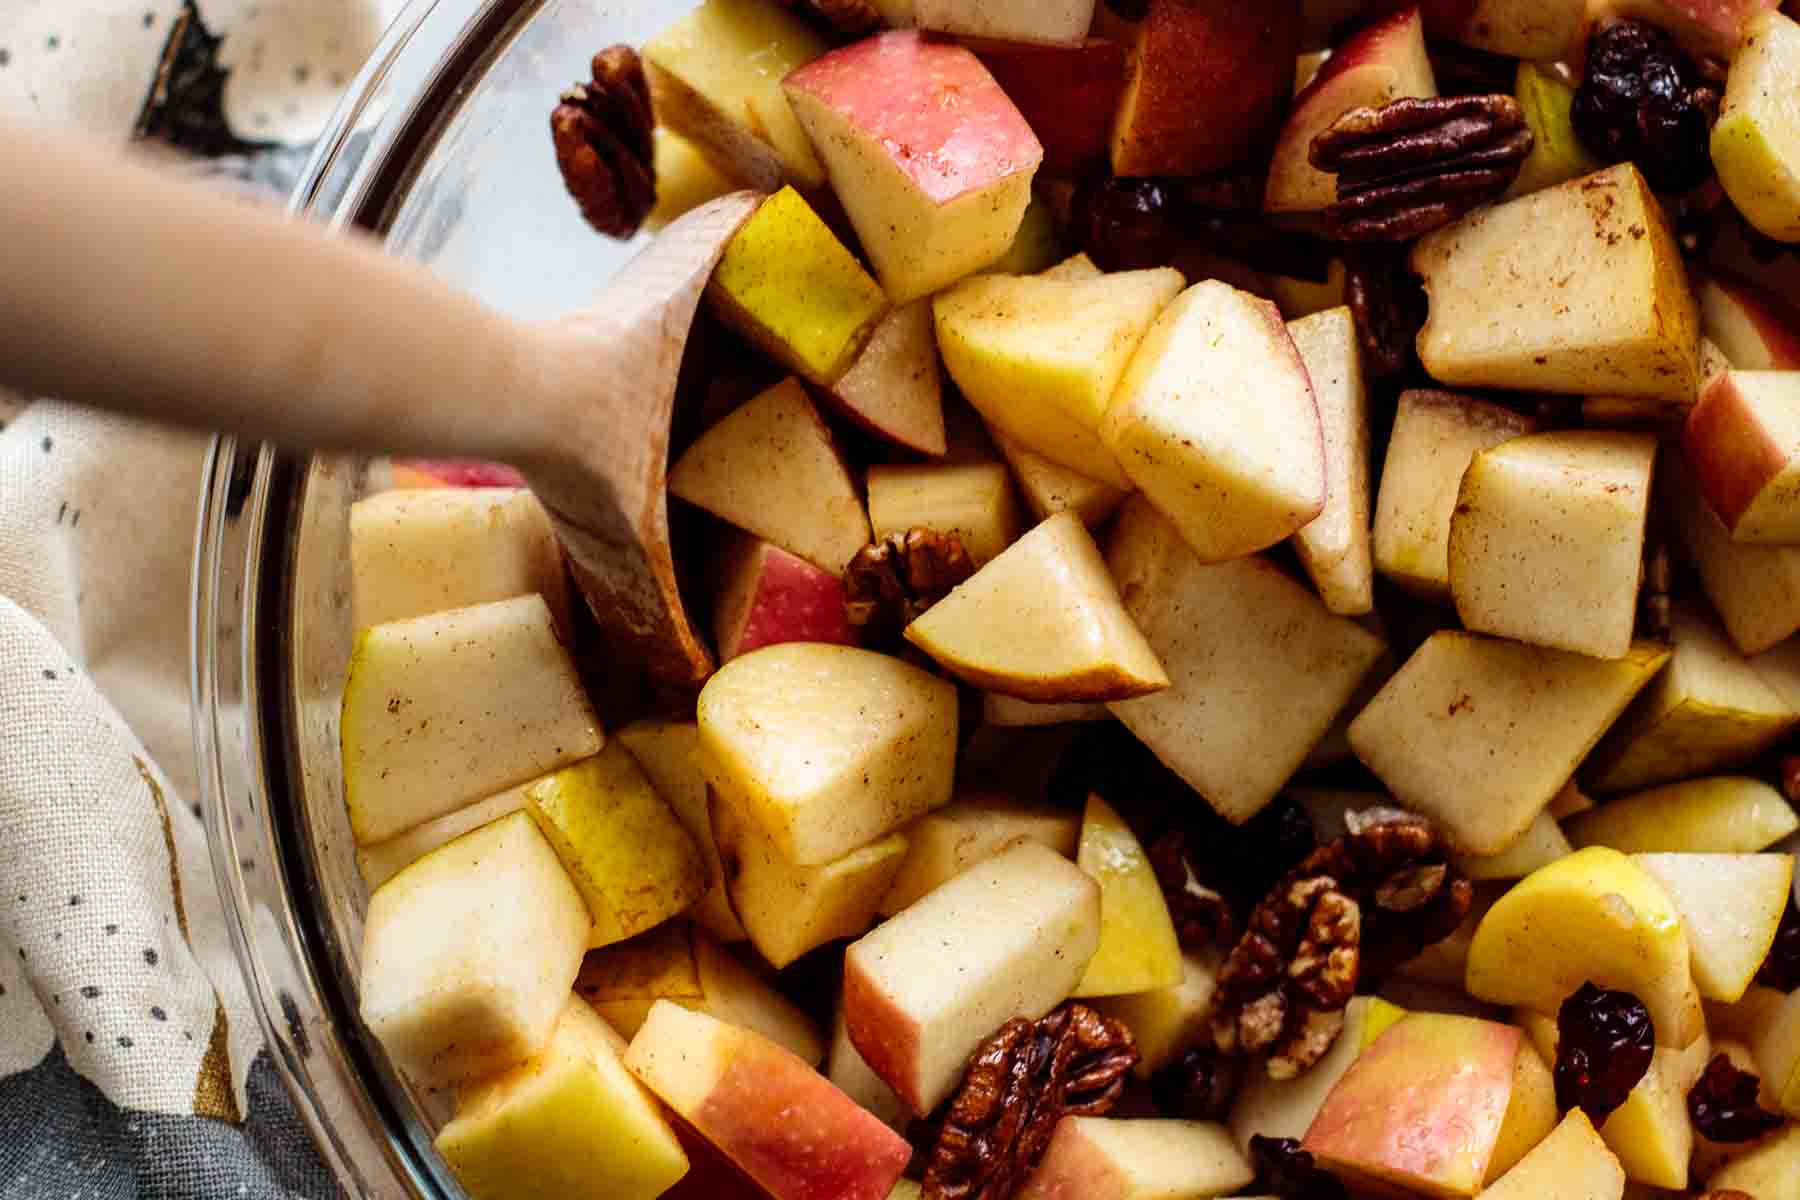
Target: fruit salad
[[1253, 563]]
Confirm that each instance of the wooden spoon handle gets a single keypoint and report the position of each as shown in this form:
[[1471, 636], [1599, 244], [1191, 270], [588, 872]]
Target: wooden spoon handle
[[126, 289]]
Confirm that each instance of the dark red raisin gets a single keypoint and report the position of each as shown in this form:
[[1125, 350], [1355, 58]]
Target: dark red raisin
[[1645, 101], [1605, 1041], [1283, 1169], [1723, 1104], [1124, 224], [1781, 970], [1198, 1086]]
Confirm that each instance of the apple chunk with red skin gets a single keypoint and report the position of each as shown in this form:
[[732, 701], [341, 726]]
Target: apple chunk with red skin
[[779, 1121], [932, 161], [1068, 94], [1742, 444], [767, 596], [1208, 85], [1422, 1108]]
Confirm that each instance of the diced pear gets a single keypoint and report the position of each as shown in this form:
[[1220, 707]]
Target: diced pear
[[569, 1124], [1336, 547], [975, 501], [1138, 951], [945, 843], [668, 752], [1044, 622], [1050, 488], [1547, 539], [1577, 288], [1571, 1164], [788, 909], [685, 178], [1557, 155], [771, 467], [797, 293], [384, 860], [1479, 733], [632, 861], [1755, 589], [1708, 710], [1768, 1170], [896, 386], [1531, 1114], [1260, 668], [1542, 844], [1729, 814], [1756, 142], [1731, 905], [1169, 1021], [1041, 358], [443, 710], [1596, 917], [827, 747], [468, 954], [1009, 712], [1774, 1037], [1651, 1132]]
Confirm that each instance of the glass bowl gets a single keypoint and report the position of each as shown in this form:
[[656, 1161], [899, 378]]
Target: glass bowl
[[442, 149]]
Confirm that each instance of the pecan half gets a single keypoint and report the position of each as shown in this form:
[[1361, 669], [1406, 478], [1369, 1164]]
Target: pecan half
[[602, 132], [1389, 305], [853, 18], [1020, 1083], [890, 583], [1414, 165], [1352, 911]]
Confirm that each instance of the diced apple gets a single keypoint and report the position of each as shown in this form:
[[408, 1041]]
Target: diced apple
[[766, 596], [1285, 1108], [1050, 488], [683, 963], [1421, 1108], [418, 552], [1531, 1114], [1756, 589], [1756, 142], [778, 1121], [1207, 85], [1479, 733], [1067, 94], [1169, 1021], [1041, 358], [1052, 22], [685, 178], [1596, 917], [1577, 288], [715, 78], [1728, 814], [1436, 435], [410, 474], [927, 987], [468, 954], [1008, 712], [668, 752], [975, 501], [569, 1123], [1571, 1164], [1755, 329], [795, 292], [443, 710], [1547, 539], [1537, 30], [772, 468], [1335, 547], [847, 1070], [827, 747], [1557, 154], [1105, 1158], [1708, 710], [1731, 906], [1138, 951], [928, 156], [896, 387], [1775, 1043], [1260, 668], [1541, 844], [787, 909], [1179, 424], [1044, 622], [1741, 443], [384, 860], [1769, 1170], [944, 844], [1383, 62]]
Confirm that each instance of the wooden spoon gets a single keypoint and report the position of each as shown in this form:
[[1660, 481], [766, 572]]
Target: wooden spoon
[[125, 289]]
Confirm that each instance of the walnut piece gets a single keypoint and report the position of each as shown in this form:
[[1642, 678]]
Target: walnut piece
[[1352, 911], [1020, 1083], [602, 132], [1414, 165], [890, 583]]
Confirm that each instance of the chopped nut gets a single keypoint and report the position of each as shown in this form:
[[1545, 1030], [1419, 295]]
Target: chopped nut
[[1019, 1084], [853, 18], [602, 132], [1414, 165], [890, 583], [1203, 916], [1389, 305]]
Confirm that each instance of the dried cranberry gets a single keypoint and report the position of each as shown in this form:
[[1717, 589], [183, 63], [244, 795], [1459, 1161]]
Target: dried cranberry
[[1723, 1104], [1605, 1041], [1124, 224], [1781, 970], [1284, 1169], [1198, 1086], [1645, 101]]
